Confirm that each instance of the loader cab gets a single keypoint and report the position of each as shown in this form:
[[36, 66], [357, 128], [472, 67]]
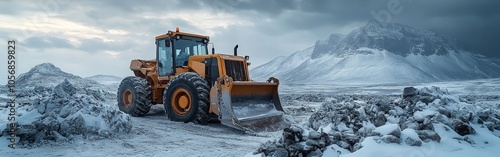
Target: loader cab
[[174, 49], [185, 46]]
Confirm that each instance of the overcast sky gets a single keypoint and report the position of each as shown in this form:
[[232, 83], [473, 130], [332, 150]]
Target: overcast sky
[[101, 37]]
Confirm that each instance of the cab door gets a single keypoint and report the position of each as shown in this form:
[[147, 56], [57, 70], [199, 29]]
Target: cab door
[[164, 57]]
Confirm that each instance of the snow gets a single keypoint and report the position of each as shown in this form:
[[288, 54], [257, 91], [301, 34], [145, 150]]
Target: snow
[[335, 151], [386, 129], [421, 115], [155, 135], [27, 117]]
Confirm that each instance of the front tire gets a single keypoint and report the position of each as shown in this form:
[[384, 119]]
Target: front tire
[[134, 96], [186, 99]]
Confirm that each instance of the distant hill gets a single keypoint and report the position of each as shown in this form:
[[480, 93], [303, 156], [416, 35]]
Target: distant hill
[[48, 75], [106, 79]]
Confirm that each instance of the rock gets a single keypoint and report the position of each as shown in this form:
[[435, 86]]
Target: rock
[[383, 106], [63, 118], [357, 146], [428, 135], [41, 108], [427, 99], [468, 140], [349, 119], [350, 138], [462, 128], [316, 153], [311, 142], [362, 112], [64, 89], [442, 119], [65, 111], [379, 120], [409, 92], [290, 136], [390, 139], [344, 145], [490, 126], [296, 148], [267, 148], [314, 135], [413, 142], [396, 132], [280, 152], [444, 111]]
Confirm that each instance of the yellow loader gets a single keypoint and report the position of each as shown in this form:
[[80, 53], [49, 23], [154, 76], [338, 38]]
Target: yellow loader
[[195, 86]]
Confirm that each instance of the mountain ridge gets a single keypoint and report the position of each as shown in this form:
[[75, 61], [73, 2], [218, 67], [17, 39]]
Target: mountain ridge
[[378, 53]]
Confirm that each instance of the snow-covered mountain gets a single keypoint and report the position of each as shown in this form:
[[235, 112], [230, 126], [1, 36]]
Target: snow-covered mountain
[[277, 65], [106, 79], [48, 75], [378, 53]]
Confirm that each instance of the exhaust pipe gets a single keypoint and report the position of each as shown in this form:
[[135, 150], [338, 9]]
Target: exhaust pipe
[[236, 50], [213, 47]]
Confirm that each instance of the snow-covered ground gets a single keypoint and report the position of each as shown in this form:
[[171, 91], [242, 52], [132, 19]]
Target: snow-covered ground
[[155, 135], [472, 87]]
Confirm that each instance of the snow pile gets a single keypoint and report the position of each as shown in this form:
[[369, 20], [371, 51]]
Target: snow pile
[[420, 116], [49, 75], [65, 112]]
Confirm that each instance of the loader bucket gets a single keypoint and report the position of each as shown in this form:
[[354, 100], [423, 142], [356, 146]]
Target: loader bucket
[[249, 106]]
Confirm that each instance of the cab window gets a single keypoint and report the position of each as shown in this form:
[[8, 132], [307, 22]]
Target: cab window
[[164, 58]]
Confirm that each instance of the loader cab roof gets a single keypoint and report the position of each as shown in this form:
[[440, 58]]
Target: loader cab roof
[[173, 34]]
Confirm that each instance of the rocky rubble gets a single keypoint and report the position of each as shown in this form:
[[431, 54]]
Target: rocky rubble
[[409, 119], [65, 112]]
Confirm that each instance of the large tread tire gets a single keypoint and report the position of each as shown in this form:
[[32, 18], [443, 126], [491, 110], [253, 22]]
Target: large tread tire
[[198, 90], [141, 96]]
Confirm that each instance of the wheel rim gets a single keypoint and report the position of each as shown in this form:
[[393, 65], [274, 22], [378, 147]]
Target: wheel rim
[[127, 98], [181, 101]]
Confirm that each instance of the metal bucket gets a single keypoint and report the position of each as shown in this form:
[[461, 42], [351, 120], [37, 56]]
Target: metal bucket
[[249, 106]]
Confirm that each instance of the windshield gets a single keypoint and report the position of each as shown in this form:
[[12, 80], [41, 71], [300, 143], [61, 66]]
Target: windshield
[[188, 46]]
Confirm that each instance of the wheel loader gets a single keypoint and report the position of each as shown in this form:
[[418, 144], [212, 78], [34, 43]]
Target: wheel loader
[[195, 86]]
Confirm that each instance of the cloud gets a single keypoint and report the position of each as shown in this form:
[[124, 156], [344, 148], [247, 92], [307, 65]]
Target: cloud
[[44, 42], [125, 30]]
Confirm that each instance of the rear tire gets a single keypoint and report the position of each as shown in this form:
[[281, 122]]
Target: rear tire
[[186, 99], [134, 96]]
